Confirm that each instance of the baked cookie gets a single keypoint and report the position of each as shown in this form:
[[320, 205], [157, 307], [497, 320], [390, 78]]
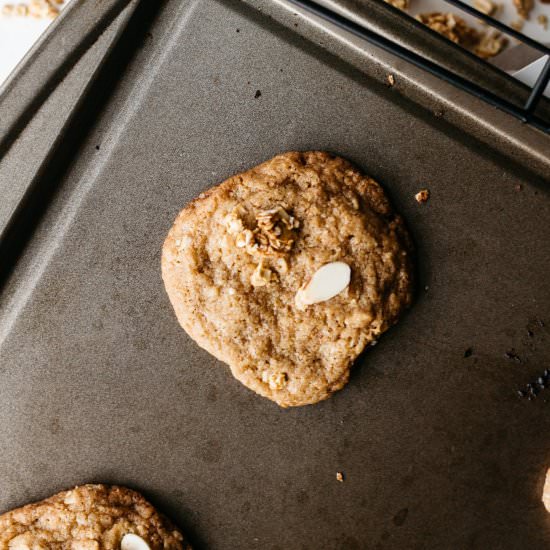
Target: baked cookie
[[90, 517], [287, 271]]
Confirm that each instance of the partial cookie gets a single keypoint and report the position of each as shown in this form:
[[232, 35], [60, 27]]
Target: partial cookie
[[90, 517], [246, 267]]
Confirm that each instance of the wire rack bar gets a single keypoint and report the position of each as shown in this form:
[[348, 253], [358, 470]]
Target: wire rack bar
[[422, 63]]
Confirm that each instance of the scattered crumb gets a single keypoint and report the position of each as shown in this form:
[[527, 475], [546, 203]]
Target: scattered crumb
[[546, 491], [422, 196], [391, 79], [340, 477], [468, 353], [523, 7], [426, 288], [518, 187], [257, 94], [543, 21]]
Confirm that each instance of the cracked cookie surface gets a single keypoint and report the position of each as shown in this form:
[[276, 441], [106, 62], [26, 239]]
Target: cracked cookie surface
[[237, 255], [89, 517]]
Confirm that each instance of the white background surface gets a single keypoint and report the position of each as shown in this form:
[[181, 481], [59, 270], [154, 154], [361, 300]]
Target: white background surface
[[18, 34]]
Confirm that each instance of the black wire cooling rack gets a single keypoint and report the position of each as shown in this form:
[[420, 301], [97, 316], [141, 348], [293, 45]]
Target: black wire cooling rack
[[525, 112]]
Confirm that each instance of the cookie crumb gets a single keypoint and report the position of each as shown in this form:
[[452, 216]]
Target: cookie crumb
[[518, 187], [391, 80], [340, 477], [422, 196], [468, 353], [257, 94]]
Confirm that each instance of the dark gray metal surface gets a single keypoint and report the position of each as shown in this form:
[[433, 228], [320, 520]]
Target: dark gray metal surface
[[99, 383]]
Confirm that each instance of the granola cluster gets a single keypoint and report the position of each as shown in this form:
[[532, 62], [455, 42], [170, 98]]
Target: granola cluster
[[485, 45], [272, 234], [450, 26]]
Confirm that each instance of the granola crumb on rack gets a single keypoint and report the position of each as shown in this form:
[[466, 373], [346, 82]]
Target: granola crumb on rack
[[400, 4], [37, 9], [491, 44], [340, 477], [483, 44], [422, 196], [543, 21], [523, 7], [391, 80], [517, 25], [450, 26], [488, 7]]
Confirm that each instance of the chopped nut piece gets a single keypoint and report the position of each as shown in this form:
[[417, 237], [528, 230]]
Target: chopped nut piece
[[546, 491], [543, 21], [391, 80], [261, 276], [523, 7], [451, 26], [422, 196], [490, 44], [340, 477], [400, 4], [485, 6]]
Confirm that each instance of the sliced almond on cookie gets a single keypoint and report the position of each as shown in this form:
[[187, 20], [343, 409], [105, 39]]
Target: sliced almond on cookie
[[133, 542], [327, 282]]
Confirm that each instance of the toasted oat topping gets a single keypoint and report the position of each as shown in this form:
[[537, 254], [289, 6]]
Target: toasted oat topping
[[262, 275], [272, 234]]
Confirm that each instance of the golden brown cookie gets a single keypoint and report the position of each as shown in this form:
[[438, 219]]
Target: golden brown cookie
[[257, 270], [90, 517]]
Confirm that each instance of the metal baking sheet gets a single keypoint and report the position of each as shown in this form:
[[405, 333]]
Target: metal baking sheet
[[99, 383]]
